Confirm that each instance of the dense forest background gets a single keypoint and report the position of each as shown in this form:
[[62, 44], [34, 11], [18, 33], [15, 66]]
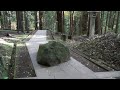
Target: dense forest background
[[69, 22]]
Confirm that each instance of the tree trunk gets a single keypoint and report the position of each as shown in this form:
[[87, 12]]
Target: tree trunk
[[9, 20], [84, 22], [63, 22], [59, 21], [110, 19], [88, 25], [75, 25], [26, 21], [80, 25], [21, 21], [19, 17], [36, 20], [40, 19], [5, 14], [117, 23], [106, 23], [97, 23], [113, 22], [1, 20], [63, 36], [102, 19], [71, 23]]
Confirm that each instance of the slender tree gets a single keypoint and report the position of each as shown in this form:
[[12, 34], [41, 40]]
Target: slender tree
[[84, 22], [1, 20], [97, 23], [75, 25], [5, 19], [88, 24], [26, 21], [63, 31], [113, 22], [59, 21], [36, 20], [110, 19], [80, 25], [106, 23], [102, 20], [40, 19], [71, 23], [117, 23], [9, 20], [19, 17]]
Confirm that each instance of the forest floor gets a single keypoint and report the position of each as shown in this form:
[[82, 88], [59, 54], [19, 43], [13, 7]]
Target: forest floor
[[104, 49], [89, 51], [23, 64]]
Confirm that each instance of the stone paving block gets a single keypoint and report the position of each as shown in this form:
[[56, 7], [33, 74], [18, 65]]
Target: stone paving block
[[110, 74], [44, 74]]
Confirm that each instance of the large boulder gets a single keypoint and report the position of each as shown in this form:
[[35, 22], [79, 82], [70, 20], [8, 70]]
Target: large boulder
[[52, 53]]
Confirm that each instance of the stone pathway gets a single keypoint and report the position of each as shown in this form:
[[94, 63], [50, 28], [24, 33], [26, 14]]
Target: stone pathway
[[68, 70]]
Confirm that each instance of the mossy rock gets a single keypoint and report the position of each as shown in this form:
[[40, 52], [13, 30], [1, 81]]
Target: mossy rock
[[52, 53]]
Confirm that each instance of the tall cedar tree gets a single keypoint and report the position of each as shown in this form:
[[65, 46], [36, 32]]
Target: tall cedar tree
[[36, 20], [40, 19], [60, 21], [117, 23], [26, 21], [97, 23], [106, 23], [19, 17], [84, 22], [71, 23]]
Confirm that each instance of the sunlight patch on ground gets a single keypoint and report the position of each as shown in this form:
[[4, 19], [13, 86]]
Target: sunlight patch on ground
[[20, 45], [12, 39], [39, 36], [4, 42]]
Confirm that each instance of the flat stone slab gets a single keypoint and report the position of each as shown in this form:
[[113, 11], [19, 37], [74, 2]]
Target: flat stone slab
[[110, 74], [68, 70]]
